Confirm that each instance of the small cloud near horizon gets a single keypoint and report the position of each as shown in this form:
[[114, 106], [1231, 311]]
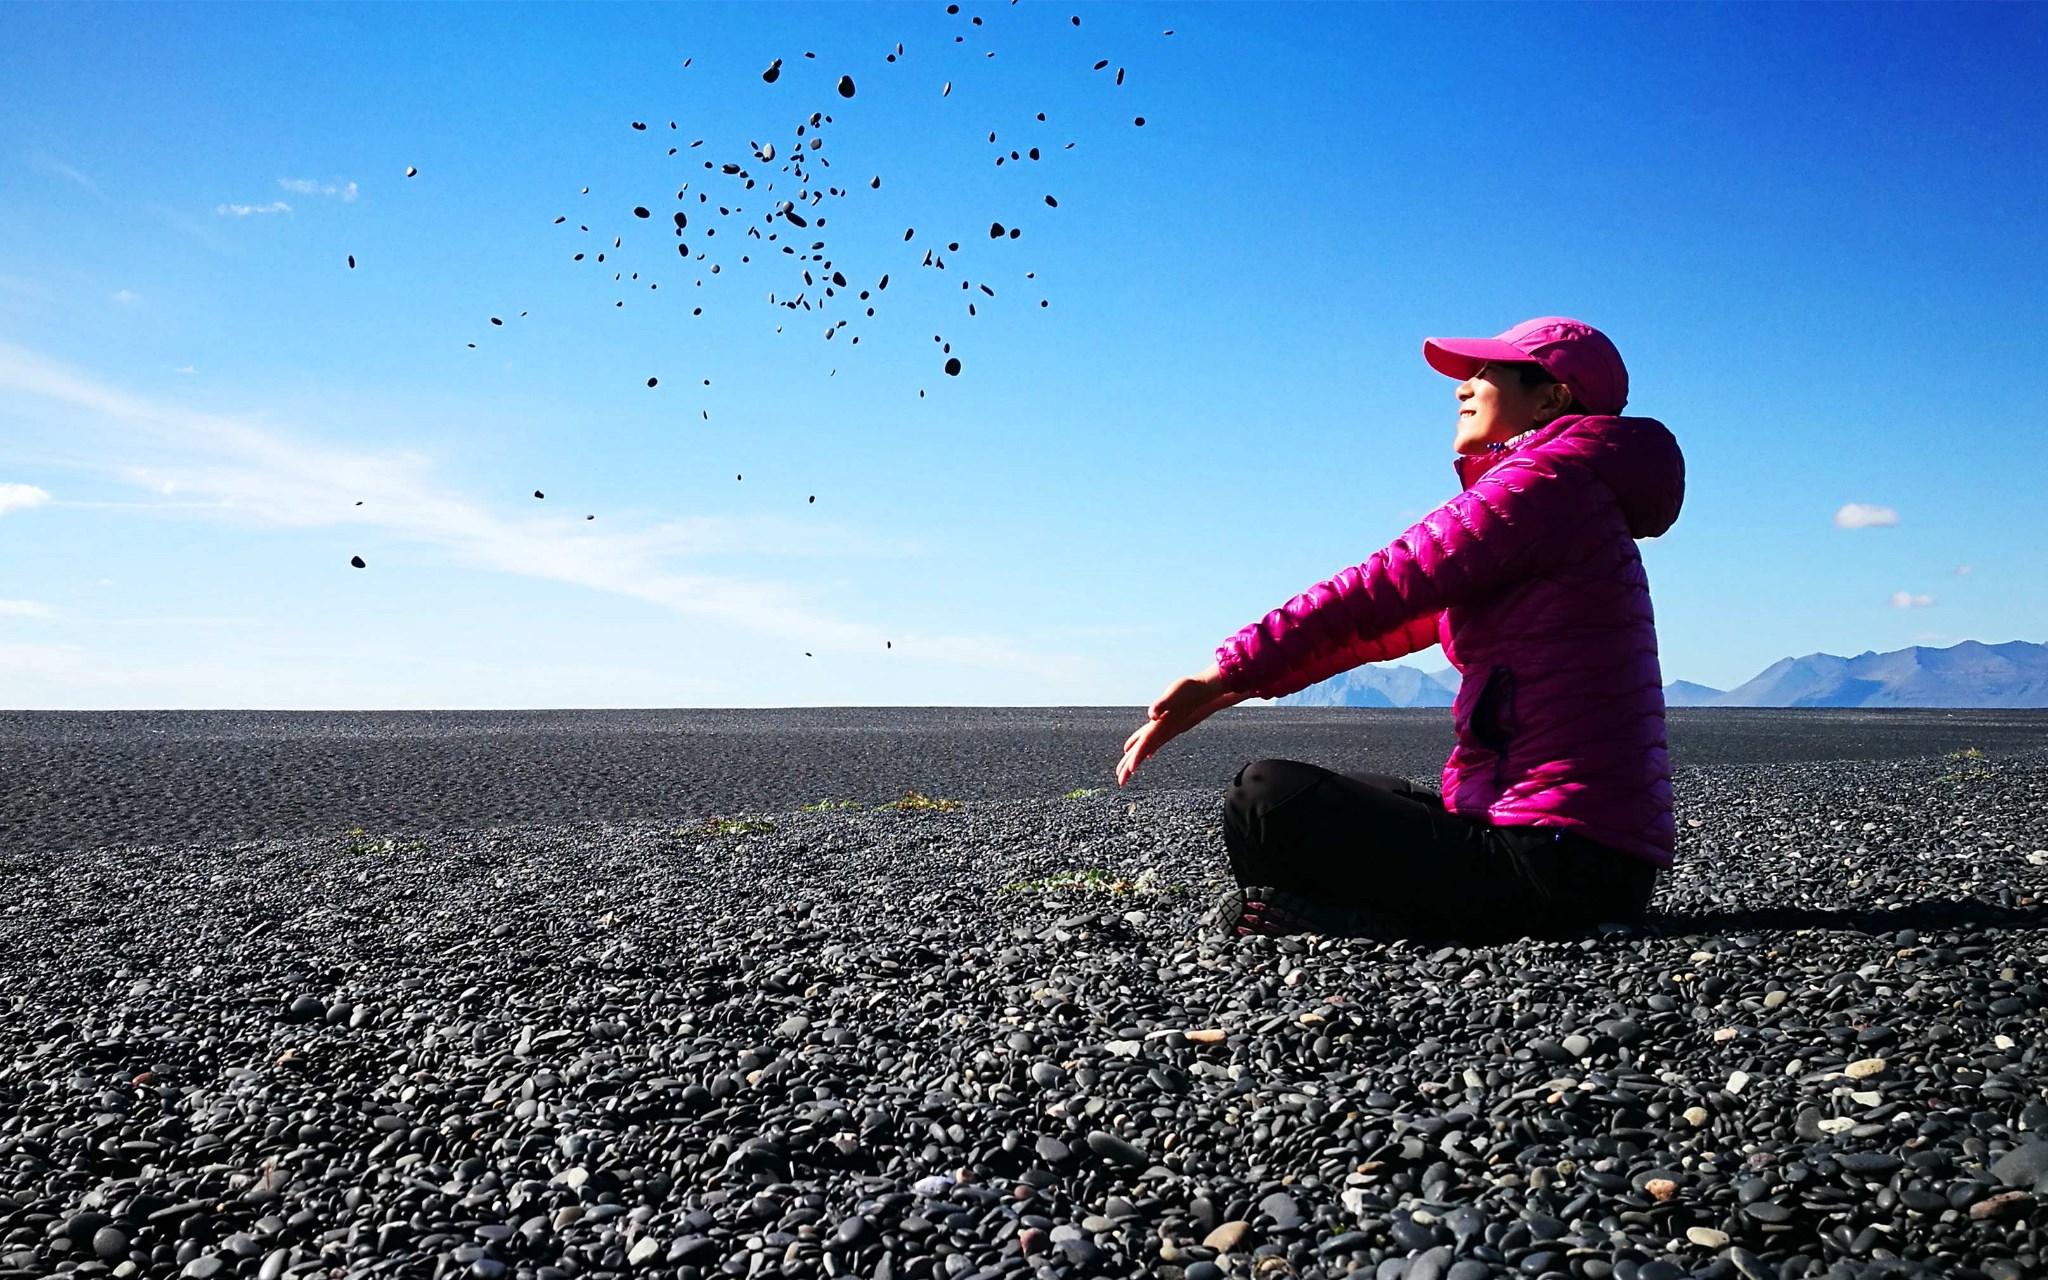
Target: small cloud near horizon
[[346, 192], [20, 497], [24, 609], [1962, 571], [1907, 600], [1864, 515], [184, 368], [244, 210], [126, 298]]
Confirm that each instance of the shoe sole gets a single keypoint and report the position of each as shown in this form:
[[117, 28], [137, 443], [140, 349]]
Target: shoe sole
[[1276, 913]]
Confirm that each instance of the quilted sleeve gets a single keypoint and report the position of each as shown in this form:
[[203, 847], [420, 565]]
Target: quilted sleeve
[[1513, 523]]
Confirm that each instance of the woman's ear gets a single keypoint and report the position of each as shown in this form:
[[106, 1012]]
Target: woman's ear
[[1557, 399]]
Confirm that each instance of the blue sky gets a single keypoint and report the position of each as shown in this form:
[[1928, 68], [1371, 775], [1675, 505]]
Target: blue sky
[[1812, 230]]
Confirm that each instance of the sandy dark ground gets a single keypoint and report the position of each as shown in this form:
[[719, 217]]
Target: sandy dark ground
[[80, 779]]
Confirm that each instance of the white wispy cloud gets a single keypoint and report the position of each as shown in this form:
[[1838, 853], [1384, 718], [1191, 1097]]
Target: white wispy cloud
[[25, 609], [346, 192], [184, 368], [254, 475], [244, 210], [125, 298], [1907, 600], [1864, 515], [1962, 571], [19, 497], [52, 165]]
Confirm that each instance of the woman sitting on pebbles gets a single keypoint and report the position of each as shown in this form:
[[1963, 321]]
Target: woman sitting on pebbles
[[1555, 812]]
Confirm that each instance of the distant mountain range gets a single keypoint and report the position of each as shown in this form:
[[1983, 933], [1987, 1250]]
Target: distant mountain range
[[1970, 674]]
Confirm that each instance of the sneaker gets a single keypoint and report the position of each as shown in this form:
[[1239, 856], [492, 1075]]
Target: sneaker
[[1259, 909]]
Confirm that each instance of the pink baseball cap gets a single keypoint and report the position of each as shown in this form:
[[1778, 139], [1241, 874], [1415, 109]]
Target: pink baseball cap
[[1576, 354]]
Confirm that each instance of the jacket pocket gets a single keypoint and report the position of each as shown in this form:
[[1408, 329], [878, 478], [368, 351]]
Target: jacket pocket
[[1493, 714]]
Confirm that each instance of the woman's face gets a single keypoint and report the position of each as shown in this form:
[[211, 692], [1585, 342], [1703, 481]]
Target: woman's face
[[1494, 407]]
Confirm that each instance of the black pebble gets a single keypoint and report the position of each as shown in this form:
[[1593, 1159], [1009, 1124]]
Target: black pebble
[[1051, 203], [357, 561], [639, 211], [538, 494], [351, 262], [774, 71], [846, 86], [652, 381], [953, 366]]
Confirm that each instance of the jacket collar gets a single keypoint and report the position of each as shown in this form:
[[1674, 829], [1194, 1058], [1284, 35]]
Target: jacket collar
[[1472, 466]]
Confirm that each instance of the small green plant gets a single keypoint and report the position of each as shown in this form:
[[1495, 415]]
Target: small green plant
[[1093, 880], [1082, 793], [1969, 756], [919, 800], [362, 843], [717, 826], [827, 806]]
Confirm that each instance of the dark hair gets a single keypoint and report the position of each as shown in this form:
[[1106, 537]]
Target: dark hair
[[1534, 375]]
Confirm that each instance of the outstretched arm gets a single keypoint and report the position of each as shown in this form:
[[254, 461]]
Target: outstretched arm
[[1513, 522], [1185, 704]]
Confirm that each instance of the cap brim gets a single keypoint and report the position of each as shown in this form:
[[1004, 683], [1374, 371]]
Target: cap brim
[[1461, 357]]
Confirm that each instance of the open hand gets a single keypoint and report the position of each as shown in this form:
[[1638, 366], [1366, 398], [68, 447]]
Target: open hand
[[1185, 704]]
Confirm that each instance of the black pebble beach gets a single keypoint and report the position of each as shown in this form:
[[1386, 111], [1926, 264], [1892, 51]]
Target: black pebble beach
[[542, 995]]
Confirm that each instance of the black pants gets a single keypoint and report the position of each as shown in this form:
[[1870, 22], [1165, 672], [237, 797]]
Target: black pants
[[1380, 843]]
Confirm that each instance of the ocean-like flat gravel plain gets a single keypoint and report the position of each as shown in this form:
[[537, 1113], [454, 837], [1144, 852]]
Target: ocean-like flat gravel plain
[[79, 779], [993, 1039]]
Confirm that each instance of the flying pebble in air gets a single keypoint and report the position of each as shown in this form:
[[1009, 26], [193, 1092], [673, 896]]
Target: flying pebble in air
[[814, 497], [953, 367], [357, 561], [774, 71], [652, 381], [590, 517], [495, 320], [351, 262], [538, 494], [411, 172], [846, 86]]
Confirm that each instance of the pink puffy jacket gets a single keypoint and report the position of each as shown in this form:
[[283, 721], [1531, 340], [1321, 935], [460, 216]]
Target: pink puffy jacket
[[1531, 581]]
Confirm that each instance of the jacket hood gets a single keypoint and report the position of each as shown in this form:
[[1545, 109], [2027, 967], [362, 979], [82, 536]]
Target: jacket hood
[[1637, 458]]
